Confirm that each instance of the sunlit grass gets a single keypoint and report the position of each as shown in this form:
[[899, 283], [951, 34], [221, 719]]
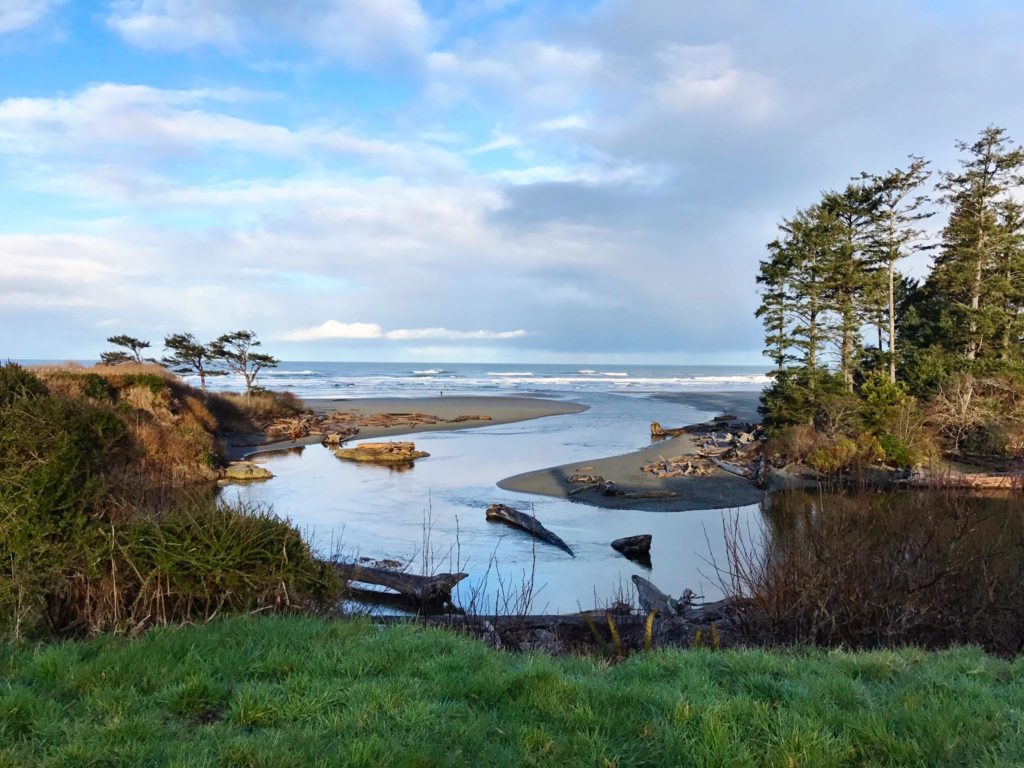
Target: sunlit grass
[[276, 691]]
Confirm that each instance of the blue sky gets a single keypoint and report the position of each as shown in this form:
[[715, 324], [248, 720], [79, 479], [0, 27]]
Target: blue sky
[[450, 180]]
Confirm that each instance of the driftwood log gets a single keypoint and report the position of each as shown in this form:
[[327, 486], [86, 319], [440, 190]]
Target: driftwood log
[[504, 514], [424, 589], [652, 599]]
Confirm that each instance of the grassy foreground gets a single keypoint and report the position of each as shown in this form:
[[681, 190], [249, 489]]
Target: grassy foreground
[[291, 691]]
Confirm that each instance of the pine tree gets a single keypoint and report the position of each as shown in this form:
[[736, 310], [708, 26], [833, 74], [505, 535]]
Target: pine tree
[[775, 310], [238, 351], [973, 238], [845, 220], [130, 352], [189, 356], [895, 234]]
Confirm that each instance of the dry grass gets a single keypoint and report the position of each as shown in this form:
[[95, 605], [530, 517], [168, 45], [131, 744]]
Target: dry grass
[[239, 413]]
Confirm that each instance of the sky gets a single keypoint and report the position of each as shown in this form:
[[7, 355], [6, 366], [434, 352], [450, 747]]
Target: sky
[[454, 180]]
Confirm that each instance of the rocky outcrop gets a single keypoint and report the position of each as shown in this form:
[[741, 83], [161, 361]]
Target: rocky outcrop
[[245, 471], [382, 453]]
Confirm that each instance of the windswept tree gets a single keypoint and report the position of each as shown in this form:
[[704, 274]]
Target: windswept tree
[[972, 241], [238, 352], [895, 234], [130, 352], [186, 355]]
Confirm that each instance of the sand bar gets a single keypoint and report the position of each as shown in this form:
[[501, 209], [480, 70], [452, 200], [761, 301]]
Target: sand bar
[[500, 409], [718, 490]]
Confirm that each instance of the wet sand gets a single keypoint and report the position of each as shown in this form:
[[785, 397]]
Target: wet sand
[[501, 410], [716, 491]]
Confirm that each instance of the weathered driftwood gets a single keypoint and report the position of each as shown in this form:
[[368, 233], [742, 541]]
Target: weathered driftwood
[[659, 431], [649, 495], [652, 599], [424, 589], [979, 481], [581, 489], [732, 469], [633, 546], [504, 514]]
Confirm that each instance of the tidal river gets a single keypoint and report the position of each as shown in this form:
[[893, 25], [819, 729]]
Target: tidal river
[[433, 513]]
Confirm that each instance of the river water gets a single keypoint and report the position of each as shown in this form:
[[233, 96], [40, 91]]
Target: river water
[[432, 515]]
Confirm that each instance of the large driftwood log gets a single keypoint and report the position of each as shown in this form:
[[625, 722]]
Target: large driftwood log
[[503, 514], [424, 589], [652, 599], [732, 469]]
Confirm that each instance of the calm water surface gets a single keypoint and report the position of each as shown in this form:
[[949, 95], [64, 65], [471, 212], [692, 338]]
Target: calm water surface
[[434, 512]]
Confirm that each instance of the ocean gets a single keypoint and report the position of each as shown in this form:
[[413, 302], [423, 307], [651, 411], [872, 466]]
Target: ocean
[[354, 380]]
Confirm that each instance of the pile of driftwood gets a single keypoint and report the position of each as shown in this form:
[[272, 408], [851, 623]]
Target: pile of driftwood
[[339, 426], [679, 466]]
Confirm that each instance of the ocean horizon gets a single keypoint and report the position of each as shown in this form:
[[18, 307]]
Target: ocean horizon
[[322, 379]]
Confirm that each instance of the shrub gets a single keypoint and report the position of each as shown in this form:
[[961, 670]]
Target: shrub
[[896, 452], [91, 538], [873, 570], [797, 397]]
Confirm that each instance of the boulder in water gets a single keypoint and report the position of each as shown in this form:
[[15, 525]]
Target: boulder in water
[[382, 453]]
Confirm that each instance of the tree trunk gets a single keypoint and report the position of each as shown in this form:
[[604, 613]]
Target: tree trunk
[[892, 320]]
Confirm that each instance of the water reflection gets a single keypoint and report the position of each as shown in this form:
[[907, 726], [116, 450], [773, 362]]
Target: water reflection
[[434, 511]]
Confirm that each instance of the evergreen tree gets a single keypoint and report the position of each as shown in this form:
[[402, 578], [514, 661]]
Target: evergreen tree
[[895, 234], [775, 310], [974, 237], [130, 352], [238, 351], [189, 356], [845, 221]]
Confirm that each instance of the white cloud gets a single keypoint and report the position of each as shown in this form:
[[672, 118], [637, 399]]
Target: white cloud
[[567, 123], [333, 329], [138, 125], [362, 32], [416, 334], [696, 77], [16, 15], [500, 142]]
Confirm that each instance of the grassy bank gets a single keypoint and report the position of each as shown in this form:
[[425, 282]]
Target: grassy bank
[[286, 691]]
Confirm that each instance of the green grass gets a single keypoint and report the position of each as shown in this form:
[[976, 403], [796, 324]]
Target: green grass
[[296, 691]]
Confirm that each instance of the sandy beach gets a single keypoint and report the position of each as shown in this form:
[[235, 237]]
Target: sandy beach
[[499, 409], [715, 491]]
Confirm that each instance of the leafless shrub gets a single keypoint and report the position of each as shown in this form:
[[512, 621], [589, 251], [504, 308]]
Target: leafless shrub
[[877, 570]]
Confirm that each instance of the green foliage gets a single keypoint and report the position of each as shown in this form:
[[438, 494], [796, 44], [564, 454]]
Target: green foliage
[[238, 352], [897, 453], [130, 352], [830, 283], [87, 545], [97, 387], [844, 454], [189, 356], [797, 396], [280, 692]]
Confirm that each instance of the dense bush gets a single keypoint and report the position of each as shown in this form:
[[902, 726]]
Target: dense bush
[[93, 536], [879, 570]]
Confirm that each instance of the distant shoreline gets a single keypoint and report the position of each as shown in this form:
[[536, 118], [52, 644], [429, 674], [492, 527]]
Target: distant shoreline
[[499, 408]]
